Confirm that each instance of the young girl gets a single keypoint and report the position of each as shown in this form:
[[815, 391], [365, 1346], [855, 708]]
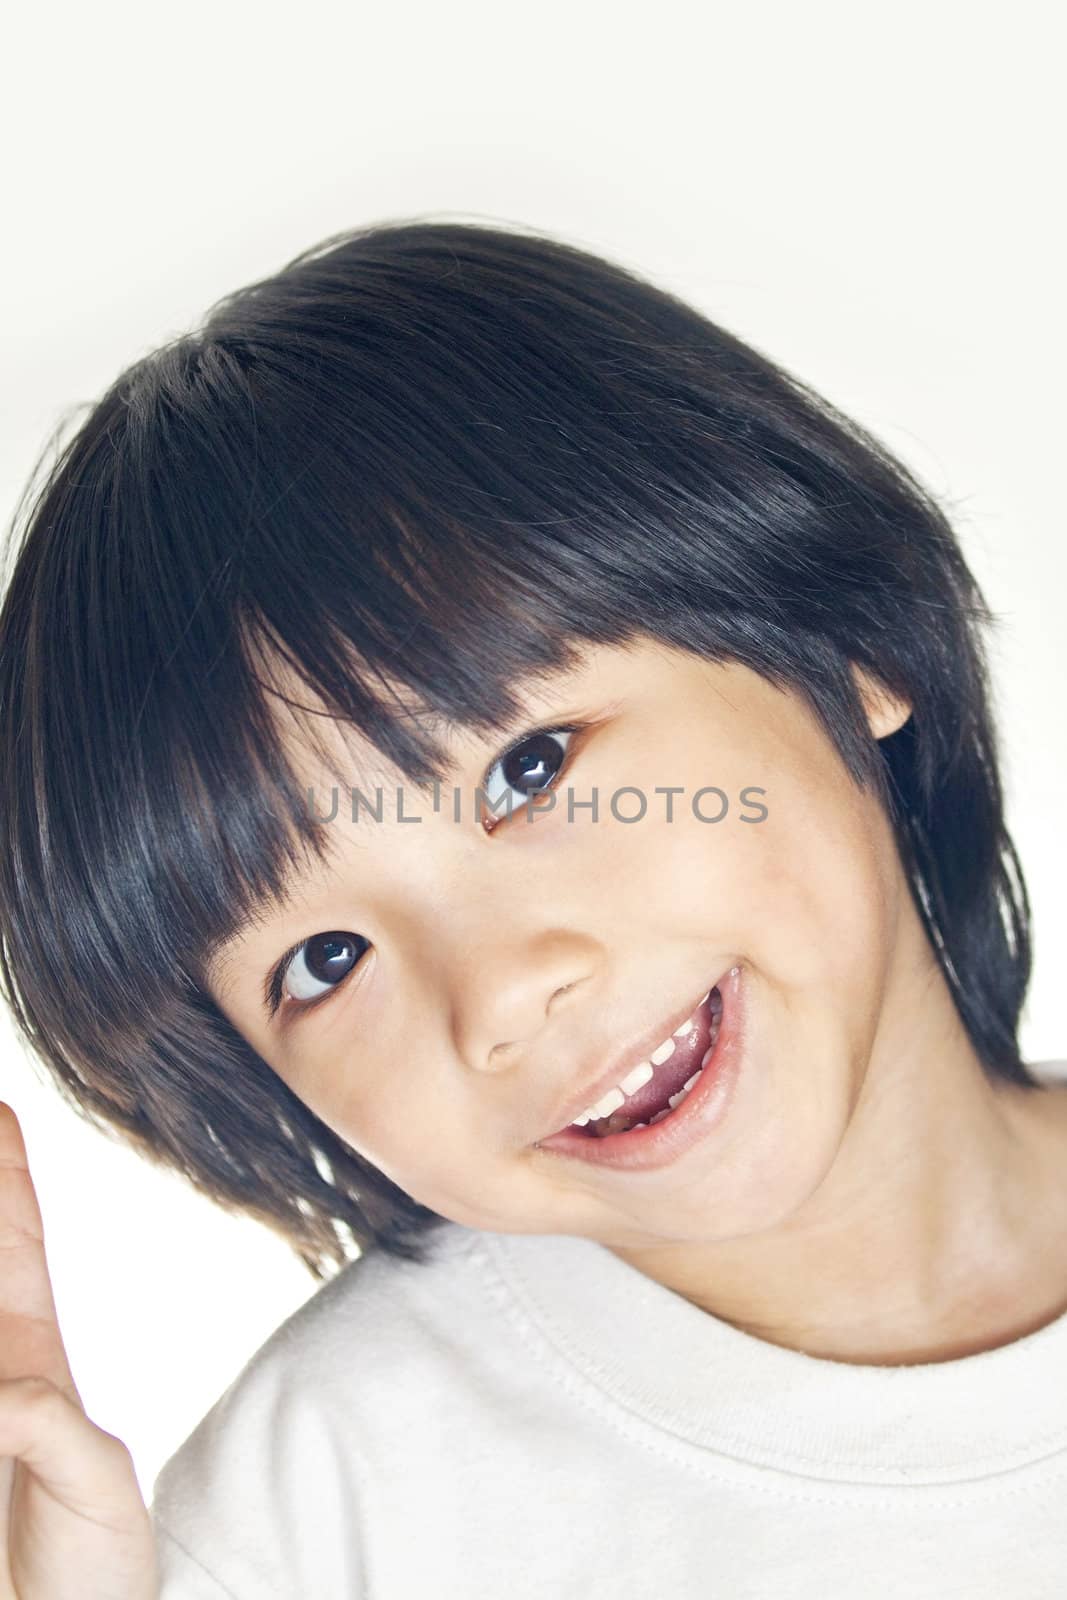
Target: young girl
[[499, 783]]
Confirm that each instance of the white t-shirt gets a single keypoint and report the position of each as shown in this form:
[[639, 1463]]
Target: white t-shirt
[[526, 1416]]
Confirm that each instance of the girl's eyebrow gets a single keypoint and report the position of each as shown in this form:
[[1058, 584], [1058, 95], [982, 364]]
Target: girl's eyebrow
[[218, 960]]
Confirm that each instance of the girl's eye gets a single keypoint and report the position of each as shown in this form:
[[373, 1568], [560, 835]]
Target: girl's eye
[[313, 968], [316, 966], [528, 769]]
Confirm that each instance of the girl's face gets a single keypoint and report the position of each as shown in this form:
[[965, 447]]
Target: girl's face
[[489, 975]]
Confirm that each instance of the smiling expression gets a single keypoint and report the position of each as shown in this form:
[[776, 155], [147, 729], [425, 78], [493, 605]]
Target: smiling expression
[[482, 976]]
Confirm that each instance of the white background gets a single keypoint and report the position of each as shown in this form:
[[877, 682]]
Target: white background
[[871, 194]]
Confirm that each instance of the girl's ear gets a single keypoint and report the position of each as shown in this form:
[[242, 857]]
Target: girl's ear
[[886, 712]]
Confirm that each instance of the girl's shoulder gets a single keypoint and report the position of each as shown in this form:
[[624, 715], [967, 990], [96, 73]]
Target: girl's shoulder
[[367, 1316], [329, 1391], [1051, 1072]]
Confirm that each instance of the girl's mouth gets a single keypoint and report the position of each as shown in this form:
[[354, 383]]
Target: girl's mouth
[[679, 1097], [670, 1081]]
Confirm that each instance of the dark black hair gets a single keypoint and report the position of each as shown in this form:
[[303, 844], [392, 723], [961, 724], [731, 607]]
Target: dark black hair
[[418, 464]]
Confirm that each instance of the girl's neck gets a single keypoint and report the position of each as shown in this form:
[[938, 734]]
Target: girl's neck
[[940, 1229]]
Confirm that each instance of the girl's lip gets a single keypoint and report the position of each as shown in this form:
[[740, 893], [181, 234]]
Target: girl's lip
[[638, 1049], [645, 1149]]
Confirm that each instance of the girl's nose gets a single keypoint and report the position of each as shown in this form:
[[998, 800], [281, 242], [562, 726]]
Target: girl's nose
[[502, 1007]]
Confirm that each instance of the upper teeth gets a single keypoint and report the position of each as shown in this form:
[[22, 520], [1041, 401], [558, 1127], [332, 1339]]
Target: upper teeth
[[640, 1075]]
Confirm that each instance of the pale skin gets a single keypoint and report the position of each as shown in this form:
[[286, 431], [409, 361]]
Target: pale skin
[[871, 1196], [73, 1525]]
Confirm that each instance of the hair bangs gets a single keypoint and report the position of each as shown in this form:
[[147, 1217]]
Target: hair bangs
[[378, 495]]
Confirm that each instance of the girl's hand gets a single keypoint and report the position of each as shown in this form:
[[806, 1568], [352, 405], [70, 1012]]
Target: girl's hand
[[73, 1524]]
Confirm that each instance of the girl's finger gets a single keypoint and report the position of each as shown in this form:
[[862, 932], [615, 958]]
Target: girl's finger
[[30, 1341], [86, 1471], [76, 1525]]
